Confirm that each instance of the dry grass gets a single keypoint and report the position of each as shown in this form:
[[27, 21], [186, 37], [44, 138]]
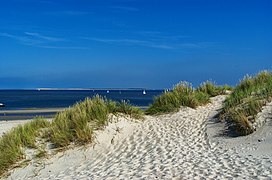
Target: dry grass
[[247, 100]]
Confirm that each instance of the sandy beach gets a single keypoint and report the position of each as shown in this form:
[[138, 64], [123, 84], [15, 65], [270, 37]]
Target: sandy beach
[[37, 110], [8, 125], [25, 114], [189, 144]]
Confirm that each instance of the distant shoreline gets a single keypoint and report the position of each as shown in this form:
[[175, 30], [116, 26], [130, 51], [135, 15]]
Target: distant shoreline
[[11, 115], [34, 110], [26, 114], [82, 89]]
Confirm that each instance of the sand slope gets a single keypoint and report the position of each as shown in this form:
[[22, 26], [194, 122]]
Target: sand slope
[[182, 145]]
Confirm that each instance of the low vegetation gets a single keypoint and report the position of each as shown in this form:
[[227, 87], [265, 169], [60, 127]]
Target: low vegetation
[[183, 94], [77, 124], [124, 107], [74, 125], [247, 100], [13, 143], [212, 90]]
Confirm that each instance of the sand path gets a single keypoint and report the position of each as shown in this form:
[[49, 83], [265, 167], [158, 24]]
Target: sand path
[[173, 146]]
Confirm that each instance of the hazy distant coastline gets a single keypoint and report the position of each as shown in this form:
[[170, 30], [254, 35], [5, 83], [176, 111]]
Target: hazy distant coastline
[[87, 89]]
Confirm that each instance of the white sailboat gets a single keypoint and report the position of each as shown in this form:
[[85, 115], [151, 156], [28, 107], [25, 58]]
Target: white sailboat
[[108, 91], [144, 93], [2, 105]]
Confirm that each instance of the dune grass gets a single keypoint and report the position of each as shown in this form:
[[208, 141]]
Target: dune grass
[[124, 107], [183, 94], [12, 144], [247, 100], [78, 123], [212, 90]]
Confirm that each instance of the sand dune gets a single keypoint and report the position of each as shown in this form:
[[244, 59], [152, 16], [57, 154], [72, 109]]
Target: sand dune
[[183, 145]]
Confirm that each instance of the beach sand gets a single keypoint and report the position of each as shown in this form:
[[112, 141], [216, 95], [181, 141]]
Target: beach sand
[[25, 114], [8, 125], [29, 111], [189, 144]]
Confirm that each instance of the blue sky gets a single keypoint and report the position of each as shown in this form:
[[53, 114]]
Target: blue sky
[[132, 43]]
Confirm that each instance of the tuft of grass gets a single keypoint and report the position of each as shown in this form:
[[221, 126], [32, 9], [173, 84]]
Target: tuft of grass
[[41, 153], [183, 94], [247, 100], [212, 90], [78, 123], [13, 142], [125, 108]]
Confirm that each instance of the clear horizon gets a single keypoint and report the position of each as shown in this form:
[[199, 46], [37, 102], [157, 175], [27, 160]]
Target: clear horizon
[[132, 43]]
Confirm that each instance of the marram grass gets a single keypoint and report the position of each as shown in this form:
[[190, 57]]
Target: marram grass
[[247, 100], [183, 94], [124, 107], [78, 123], [13, 142], [212, 90]]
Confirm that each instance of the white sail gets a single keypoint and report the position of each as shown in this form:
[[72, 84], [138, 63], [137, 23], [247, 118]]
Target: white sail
[[144, 93]]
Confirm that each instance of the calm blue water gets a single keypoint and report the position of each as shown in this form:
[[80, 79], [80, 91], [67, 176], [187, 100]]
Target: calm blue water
[[30, 99], [27, 99]]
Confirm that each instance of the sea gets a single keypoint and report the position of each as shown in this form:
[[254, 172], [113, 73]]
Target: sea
[[50, 99]]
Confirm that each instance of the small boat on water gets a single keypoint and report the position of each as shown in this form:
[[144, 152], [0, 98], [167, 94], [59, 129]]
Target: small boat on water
[[108, 91], [2, 104], [144, 93]]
